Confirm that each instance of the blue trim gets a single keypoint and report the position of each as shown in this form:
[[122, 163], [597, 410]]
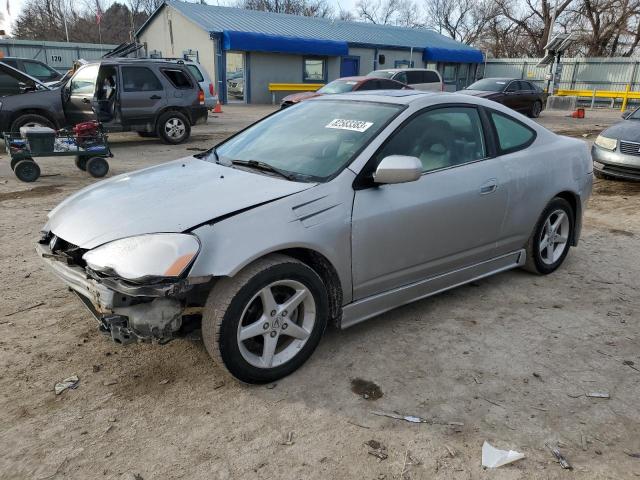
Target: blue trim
[[324, 70], [469, 55], [262, 42]]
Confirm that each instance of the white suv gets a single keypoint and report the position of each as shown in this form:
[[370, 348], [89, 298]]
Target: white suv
[[418, 78]]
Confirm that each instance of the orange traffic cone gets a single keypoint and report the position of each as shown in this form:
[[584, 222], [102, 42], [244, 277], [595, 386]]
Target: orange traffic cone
[[217, 108]]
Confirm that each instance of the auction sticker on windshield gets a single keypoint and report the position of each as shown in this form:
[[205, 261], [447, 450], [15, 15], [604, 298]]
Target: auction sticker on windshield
[[353, 125]]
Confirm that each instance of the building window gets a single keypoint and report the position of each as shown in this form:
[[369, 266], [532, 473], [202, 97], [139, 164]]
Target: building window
[[403, 64], [449, 73], [314, 70]]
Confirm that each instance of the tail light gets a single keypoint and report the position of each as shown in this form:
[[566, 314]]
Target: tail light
[[442, 86], [211, 91], [200, 96]]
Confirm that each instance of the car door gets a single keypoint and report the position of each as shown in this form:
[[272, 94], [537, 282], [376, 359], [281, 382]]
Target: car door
[[78, 94], [142, 96], [448, 219], [512, 98]]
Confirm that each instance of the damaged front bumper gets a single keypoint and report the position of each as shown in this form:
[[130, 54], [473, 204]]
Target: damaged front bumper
[[128, 312]]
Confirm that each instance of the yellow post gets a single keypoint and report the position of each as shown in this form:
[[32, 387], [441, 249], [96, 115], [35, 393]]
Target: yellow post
[[625, 98]]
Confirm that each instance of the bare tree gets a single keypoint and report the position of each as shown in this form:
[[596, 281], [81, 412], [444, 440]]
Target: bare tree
[[463, 20], [380, 12], [307, 8]]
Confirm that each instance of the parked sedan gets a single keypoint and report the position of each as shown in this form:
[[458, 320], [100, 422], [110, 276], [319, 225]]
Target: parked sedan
[[334, 211], [519, 95], [616, 151], [344, 85]]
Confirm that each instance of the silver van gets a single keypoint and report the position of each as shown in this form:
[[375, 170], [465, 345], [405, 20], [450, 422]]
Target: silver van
[[419, 78]]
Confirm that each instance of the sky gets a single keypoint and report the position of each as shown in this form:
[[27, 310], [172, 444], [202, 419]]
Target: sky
[[15, 6]]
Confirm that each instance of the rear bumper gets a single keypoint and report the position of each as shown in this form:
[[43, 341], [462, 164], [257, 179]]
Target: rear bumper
[[615, 164]]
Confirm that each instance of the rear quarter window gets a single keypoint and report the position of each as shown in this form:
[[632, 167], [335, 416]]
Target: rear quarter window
[[195, 71], [511, 134], [178, 78], [431, 77]]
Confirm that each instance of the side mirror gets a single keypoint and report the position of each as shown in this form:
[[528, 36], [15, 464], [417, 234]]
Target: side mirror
[[398, 169]]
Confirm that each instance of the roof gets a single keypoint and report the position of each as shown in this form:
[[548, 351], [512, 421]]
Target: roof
[[268, 25]]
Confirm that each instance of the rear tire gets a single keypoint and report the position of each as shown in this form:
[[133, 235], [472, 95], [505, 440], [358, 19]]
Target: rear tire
[[173, 127], [97, 167], [27, 171], [536, 108], [31, 120], [14, 161], [550, 241], [246, 314]]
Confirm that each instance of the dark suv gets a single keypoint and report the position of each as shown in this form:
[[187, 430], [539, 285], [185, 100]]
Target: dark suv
[[152, 97]]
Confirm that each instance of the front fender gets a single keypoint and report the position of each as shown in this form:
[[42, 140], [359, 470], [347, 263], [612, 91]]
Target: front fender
[[317, 219]]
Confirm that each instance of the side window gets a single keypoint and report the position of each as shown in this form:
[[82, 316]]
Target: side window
[[178, 78], [8, 85], [370, 85], [390, 85], [512, 135], [512, 87], [431, 77], [38, 70], [414, 76], [11, 63], [84, 81], [401, 77], [440, 138], [139, 79]]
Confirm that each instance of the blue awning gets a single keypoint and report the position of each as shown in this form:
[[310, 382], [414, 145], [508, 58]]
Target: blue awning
[[262, 42], [466, 55]]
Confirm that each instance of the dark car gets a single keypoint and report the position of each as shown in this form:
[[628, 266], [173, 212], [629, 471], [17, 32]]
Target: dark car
[[344, 85], [520, 95], [616, 151], [33, 68], [152, 97]]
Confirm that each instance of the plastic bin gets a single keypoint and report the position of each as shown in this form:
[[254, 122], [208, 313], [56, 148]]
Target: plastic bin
[[41, 140]]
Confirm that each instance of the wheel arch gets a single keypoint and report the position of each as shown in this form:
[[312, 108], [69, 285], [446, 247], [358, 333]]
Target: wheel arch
[[174, 108], [574, 200], [35, 111]]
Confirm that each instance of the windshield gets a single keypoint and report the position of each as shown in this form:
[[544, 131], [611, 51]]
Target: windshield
[[338, 86], [488, 85], [381, 74], [312, 140]]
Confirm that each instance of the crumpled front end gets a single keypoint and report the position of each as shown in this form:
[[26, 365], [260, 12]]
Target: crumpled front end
[[129, 312]]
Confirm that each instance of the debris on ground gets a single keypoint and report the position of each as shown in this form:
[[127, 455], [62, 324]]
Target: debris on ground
[[377, 449], [289, 440], [218, 385], [494, 457], [69, 382], [564, 463], [111, 381], [397, 416], [632, 454], [366, 389], [598, 395], [96, 368], [408, 462], [163, 382], [271, 386]]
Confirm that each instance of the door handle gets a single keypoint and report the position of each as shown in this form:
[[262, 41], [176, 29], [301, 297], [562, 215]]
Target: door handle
[[489, 186], [155, 97], [86, 100]]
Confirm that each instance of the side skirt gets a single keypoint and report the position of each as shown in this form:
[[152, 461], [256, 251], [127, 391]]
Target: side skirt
[[366, 308]]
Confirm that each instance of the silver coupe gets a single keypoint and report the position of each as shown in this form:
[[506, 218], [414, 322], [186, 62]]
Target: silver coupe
[[335, 210]]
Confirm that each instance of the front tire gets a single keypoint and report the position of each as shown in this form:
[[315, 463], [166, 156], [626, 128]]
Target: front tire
[[266, 321], [549, 243], [27, 170], [173, 127], [30, 120]]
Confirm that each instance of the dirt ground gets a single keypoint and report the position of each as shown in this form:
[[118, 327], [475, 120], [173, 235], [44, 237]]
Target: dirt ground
[[509, 360]]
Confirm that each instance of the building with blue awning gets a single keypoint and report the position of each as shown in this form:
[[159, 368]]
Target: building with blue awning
[[245, 50]]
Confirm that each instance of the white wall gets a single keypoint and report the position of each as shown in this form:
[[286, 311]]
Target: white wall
[[186, 35]]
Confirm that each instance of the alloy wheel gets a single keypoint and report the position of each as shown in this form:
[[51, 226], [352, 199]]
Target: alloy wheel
[[174, 128], [276, 323], [554, 236]]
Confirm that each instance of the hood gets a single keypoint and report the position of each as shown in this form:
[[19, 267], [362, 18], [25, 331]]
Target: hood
[[625, 130], [480, 93], [172, 197], [298, 97]]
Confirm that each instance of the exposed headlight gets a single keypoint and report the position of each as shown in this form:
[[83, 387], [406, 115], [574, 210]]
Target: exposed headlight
[[144, 256], [606, 142]]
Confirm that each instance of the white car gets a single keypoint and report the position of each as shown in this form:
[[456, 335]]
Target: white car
[[417, 78]]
